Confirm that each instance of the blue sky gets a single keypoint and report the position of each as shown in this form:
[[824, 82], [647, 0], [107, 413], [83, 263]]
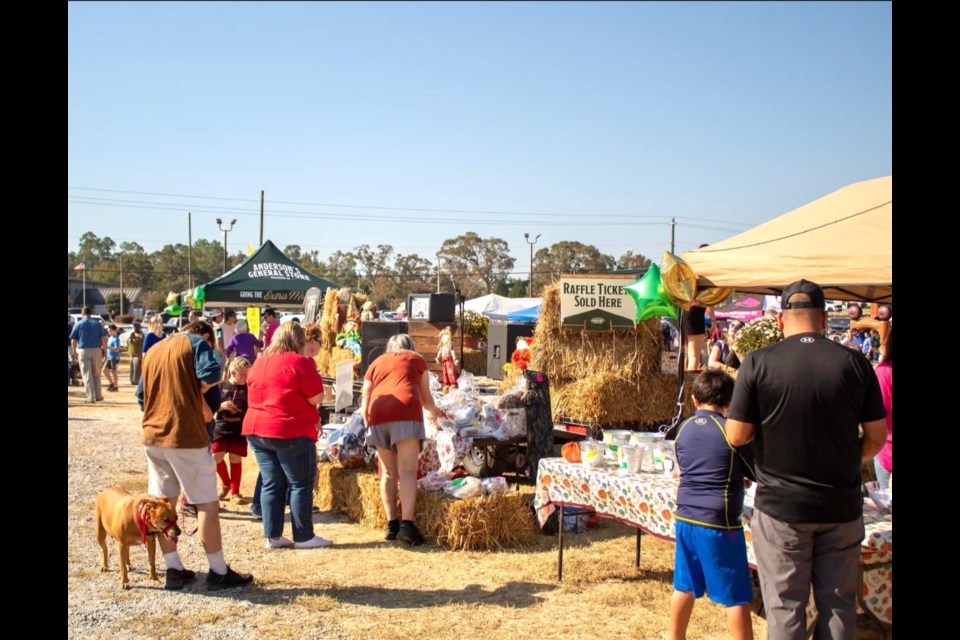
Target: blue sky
[[594, 122]]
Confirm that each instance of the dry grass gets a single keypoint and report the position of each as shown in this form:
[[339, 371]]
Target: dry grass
[[364, 588]]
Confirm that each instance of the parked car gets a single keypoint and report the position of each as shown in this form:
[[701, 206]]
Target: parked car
[[838, 325]]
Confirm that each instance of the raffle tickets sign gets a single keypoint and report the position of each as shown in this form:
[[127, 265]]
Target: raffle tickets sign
[[596, 302]]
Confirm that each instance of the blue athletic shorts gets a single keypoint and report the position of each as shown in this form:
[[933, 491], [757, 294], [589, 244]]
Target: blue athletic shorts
[[712, 560]]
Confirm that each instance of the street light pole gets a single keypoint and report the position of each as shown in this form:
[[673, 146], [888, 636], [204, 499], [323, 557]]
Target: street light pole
[[225, 231], [526, 237]]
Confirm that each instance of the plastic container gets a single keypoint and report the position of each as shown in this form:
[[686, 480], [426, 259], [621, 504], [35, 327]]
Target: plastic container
[[631, 457], [652, 441], [592, 452], [665, 458]]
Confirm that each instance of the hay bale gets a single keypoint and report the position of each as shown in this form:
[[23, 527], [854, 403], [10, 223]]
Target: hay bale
[[476, 524], [573, 355], [475, 361], [510, 380], [610, 378], [483, 522], [611, 399], [338, 355]]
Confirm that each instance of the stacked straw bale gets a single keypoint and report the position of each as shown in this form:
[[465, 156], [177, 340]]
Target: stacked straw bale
[[608, 378], [475, 361], [330, 354], [484, 522]]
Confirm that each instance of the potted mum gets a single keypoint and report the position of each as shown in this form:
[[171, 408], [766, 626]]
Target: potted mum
[[474, 329]]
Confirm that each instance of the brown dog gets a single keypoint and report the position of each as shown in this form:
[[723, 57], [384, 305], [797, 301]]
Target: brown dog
[[132, 520]]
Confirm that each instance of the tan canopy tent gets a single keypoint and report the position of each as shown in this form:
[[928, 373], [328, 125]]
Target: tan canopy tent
[[842, 241]]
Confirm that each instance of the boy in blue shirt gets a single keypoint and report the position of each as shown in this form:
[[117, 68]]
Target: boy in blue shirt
[[113, 358], [711, 550]]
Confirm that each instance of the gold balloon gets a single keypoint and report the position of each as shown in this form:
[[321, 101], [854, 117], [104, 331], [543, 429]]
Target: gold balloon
[[679, 280]]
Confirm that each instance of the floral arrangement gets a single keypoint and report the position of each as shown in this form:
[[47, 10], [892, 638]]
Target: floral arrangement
[[475, 324], [757, 334]]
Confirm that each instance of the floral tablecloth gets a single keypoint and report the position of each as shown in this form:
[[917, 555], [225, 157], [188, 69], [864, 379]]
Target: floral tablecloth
[[649, 501]]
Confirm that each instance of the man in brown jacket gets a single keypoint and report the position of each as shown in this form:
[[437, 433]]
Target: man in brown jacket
[[175, 438]]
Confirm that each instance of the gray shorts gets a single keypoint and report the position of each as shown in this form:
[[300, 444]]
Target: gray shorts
[[387, 435]]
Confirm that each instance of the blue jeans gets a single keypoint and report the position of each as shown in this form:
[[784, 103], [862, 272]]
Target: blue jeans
[[286, 463], [255, 507], [883, 476]]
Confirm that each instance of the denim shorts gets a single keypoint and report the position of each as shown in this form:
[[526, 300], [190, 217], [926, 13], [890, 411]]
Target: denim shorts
[[387, 435]]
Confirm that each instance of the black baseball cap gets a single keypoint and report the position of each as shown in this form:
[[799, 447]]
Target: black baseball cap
[[810, 289]]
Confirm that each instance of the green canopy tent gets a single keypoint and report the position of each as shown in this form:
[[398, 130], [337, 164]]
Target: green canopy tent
[[268, 278]]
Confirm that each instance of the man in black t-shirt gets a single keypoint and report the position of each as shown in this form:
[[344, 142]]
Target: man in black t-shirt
[[802, 401]]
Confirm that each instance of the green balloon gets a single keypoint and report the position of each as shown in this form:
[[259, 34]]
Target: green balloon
[[174, 310], [652, 299], [200, 295]]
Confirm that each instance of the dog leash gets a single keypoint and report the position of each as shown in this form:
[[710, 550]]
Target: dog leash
[[142, 520]]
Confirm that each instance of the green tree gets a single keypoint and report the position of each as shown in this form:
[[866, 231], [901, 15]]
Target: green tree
[[476, 263], [308, 260], [512, 288], [409, 274], [631, 260], [567, 256], [372, 263], [342, 267], [112, 302]]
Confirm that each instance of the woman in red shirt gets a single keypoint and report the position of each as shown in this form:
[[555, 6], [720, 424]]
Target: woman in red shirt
[[283, 391], [396, 390]]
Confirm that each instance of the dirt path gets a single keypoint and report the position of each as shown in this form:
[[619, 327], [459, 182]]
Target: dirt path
[[363, 587]]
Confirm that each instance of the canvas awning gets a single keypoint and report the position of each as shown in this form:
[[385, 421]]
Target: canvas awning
[[268, 278], [842, 241]]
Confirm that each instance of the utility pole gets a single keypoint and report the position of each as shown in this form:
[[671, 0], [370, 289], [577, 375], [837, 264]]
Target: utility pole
[[526, 237], [121, 284], [261, 218], [438, 272], [673, 231], [190, 249]]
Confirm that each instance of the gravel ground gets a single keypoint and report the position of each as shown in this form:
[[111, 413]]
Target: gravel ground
[[104, 450], [362, 588]]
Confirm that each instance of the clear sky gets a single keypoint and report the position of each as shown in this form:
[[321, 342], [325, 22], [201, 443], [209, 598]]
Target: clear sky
[[407, 123]]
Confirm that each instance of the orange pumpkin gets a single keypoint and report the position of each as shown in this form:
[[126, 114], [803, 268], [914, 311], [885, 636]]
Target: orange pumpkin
[[571, 452]]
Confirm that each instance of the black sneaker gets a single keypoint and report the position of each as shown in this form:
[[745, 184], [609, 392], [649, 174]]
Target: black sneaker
[[409, 533], [176, 578], [230, 579], [393, 528]]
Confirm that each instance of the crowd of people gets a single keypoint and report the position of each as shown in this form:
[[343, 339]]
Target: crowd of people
[[791, 403]]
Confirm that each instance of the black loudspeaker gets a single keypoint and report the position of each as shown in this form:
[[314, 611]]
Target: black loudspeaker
[[373, 339], [501, 343], [432, 307]]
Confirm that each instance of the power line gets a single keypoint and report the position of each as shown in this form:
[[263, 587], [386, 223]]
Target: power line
[[326, 215], [418, 209]]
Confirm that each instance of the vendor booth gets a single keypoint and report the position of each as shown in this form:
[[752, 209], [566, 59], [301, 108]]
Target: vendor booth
[[842, 241], [268, 278]]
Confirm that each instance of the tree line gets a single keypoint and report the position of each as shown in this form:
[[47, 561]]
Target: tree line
[[476, 265]]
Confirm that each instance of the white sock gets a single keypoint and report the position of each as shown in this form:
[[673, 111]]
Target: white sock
[[217, 564], [173, 561]]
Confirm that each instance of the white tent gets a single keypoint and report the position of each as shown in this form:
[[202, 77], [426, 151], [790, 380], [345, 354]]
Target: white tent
[[497, 307]]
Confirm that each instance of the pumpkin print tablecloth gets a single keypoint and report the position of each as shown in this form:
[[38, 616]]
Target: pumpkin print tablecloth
[[649, 501]]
